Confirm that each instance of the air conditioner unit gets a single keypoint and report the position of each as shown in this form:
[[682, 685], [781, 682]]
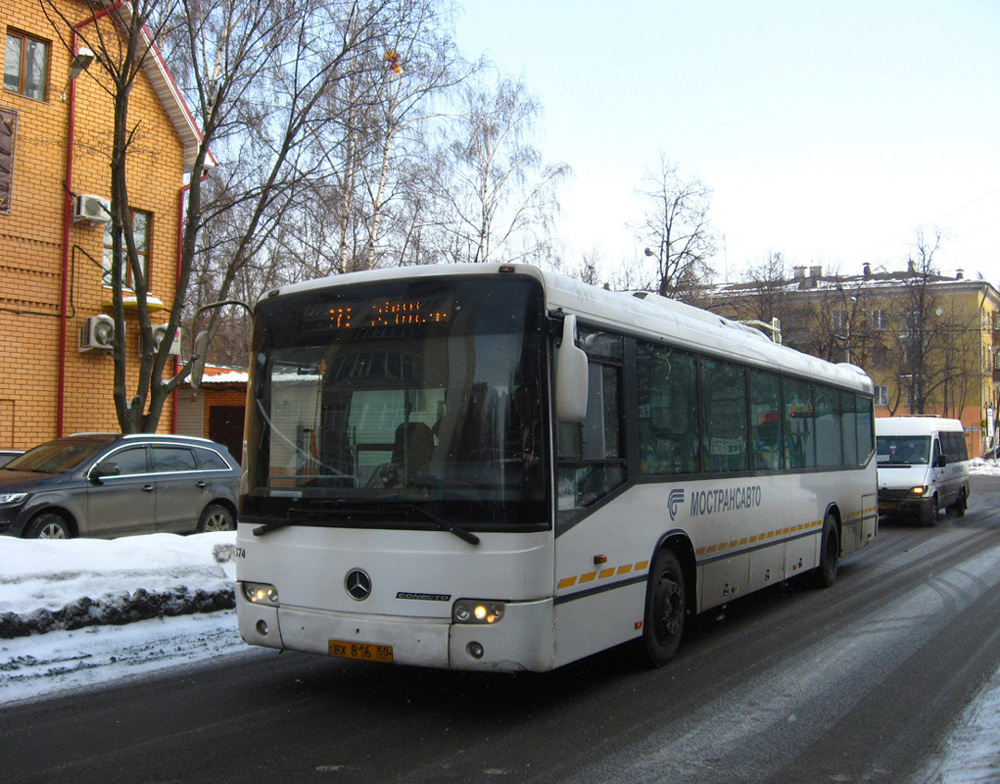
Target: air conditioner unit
[[87, 207], [98, 333], [159, 333]]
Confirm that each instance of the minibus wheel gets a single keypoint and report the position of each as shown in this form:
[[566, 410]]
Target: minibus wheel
[[931, 511], [961, 504]]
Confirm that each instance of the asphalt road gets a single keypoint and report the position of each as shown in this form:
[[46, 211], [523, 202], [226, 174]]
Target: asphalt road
[[861, 682]]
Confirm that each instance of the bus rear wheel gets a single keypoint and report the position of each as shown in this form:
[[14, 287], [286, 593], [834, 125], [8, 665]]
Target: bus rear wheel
[[666, 608], [825, 575]]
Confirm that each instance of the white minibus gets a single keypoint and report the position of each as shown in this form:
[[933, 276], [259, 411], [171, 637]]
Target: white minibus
[[922, 467]]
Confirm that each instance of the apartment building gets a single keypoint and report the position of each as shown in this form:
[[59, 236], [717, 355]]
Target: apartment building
[[56, 122]]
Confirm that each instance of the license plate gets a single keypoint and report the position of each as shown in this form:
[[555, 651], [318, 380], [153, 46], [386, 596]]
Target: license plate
[[362, 651], [886, 507]]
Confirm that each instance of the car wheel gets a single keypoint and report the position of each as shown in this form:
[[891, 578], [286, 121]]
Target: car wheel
[[666, 608], [216, 518], [48, 525]]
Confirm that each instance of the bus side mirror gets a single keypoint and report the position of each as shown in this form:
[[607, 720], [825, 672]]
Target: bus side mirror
[[571, 376]]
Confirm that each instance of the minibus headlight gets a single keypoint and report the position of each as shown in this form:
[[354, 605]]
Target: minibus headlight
[[918, 490], [261, 593], [477, 611]]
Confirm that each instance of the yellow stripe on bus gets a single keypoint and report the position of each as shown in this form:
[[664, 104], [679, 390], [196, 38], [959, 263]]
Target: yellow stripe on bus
[[604, 574]]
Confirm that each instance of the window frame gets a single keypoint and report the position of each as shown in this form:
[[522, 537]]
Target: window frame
[[24, 88], [144, 252], [8, 120]]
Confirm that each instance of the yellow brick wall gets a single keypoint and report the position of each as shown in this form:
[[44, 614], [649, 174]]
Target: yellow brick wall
[[31, 245]]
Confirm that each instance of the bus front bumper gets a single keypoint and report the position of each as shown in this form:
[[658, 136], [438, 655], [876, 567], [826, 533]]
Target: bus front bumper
[[523, 640]]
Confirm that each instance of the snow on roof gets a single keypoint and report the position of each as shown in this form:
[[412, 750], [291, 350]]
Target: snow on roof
[[217, 374]]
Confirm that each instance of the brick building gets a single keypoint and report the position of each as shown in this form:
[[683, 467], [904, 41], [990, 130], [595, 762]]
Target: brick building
[[55, 143]]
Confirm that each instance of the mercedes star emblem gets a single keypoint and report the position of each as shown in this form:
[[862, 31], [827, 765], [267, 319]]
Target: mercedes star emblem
[[358, 584]]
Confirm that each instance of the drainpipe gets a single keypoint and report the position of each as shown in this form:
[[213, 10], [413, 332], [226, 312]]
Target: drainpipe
[[67, 222]]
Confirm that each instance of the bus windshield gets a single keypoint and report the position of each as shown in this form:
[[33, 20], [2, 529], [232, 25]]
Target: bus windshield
[[406, 404]]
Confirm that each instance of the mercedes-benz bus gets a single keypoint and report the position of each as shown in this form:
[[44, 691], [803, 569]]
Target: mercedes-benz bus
[[492, 467]]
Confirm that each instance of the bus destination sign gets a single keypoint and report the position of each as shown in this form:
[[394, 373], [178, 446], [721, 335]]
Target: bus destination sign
[[378, 313]]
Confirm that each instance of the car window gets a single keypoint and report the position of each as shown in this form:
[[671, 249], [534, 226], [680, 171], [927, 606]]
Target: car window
[[210, 461], [56, 456], [130, 461], [173, 458]]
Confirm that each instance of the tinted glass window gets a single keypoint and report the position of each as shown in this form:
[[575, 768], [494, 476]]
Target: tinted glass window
[[849, 412], [724, 416], [765, 421], [173, 458], [829, 446], [800, 428], [668, 429], [129, 461], [590, 455], [866, 422], [209, 460], [56, 456]]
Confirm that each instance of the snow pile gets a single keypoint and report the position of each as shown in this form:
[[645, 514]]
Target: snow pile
[[71, 612], [49, 586], [981, 467]]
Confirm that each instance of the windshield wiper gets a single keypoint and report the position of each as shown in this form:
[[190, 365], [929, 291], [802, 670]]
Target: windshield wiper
[[301, 515], [441, 523]]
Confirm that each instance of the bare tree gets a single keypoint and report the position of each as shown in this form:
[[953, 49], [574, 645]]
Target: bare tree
[[934, 351], [496, 196], [269, 83], [676, 230]]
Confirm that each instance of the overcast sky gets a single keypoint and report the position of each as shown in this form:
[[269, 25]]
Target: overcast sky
[[828, 131]]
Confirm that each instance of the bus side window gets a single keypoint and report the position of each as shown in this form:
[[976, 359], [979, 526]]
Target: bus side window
[[799, 422], [590, 455], [765, 421], [724, 438], [668, 433]]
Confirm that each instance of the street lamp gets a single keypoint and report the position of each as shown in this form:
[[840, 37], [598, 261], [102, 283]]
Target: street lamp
[[81, 62]]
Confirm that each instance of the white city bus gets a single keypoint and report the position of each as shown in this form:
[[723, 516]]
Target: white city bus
[[491, 467]]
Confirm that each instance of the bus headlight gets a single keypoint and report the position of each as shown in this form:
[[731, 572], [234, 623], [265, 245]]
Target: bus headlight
[[261, 593], [477, 611], [918, 490]]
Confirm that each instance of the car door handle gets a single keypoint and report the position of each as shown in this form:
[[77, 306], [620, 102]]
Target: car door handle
[[148, 488], [202, 484]]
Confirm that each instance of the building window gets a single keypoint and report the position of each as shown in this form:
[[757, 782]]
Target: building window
[[880, 356], [25, 65], [142, 223], [8, 133], [880, 320], [840, 321], [881, 396]]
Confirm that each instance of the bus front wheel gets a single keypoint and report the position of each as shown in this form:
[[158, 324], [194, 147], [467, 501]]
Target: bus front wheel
[[666, 607]]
